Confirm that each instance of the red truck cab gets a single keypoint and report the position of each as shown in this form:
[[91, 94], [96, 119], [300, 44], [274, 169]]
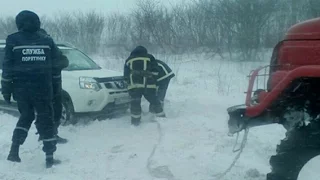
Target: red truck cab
[[295, 64]]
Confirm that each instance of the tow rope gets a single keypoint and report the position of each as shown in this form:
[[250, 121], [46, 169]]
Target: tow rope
[[240, 150]]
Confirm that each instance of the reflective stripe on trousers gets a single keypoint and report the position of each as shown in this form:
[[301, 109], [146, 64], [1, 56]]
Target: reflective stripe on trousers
[[132, 86], [23, 129], [135, 116]]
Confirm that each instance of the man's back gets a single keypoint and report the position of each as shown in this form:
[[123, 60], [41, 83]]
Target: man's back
[[139, 67], [30, 55], [140, 59]]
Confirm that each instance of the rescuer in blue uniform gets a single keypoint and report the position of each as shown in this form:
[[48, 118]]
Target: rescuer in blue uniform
[[27, 75]]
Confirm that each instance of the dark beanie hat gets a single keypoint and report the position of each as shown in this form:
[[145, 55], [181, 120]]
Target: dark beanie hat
[[28, 21]]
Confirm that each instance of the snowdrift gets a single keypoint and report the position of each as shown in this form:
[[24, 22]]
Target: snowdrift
[[190, 144]]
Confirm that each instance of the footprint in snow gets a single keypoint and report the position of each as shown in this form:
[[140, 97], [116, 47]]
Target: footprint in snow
[[117, 149], [111, 157], [133, 156], [254, 174], [162, 172]]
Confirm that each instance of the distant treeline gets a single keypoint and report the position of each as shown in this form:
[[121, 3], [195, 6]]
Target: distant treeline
[[244, 27]]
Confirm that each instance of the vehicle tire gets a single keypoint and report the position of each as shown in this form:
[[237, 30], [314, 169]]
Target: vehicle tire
[[300, 146], [68, 116]]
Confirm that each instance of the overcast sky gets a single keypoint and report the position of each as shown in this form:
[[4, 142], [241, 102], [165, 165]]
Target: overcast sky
[[49, 7]]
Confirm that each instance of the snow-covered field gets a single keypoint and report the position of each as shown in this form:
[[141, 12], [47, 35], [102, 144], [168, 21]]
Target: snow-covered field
[[190, 144]]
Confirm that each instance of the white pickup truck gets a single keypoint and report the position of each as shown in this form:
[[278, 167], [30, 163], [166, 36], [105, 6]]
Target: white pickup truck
[[87, 88]]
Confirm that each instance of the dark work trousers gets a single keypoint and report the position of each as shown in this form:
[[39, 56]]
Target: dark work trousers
[[136, 95], [57, 106], [161, 93], [162, 89], [300, 145], [44, 123]]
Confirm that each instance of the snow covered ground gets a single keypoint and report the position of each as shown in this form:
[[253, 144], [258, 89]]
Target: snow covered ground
[[190, 144]]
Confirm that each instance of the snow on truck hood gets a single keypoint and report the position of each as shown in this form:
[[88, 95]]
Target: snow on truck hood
[[99, 73]]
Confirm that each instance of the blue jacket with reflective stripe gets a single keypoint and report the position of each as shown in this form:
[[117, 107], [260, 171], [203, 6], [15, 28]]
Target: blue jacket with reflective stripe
[[29, 60], [138, 68], [165, 72]]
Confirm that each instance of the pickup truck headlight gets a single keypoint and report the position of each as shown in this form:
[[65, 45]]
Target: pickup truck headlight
[[89, 83]]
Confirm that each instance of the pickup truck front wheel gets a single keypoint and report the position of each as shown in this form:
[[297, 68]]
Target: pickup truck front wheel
[[67, 113]]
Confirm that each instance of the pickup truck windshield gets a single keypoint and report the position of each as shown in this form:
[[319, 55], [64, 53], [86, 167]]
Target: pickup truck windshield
[[79, 61]]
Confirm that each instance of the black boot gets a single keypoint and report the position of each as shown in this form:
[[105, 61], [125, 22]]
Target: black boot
[[50, 161], [135, 121], [14, 153], [152, 109], [161, 115], [61, 140]]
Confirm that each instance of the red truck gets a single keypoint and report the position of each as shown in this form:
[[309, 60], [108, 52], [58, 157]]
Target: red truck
[[290, 96]]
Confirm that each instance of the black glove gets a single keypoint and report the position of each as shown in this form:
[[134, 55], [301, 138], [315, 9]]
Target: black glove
[[7, 90], [7, 98]]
